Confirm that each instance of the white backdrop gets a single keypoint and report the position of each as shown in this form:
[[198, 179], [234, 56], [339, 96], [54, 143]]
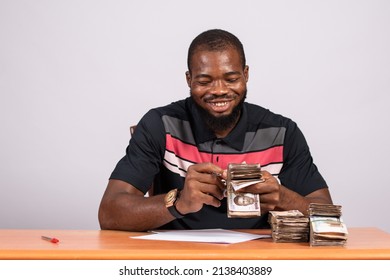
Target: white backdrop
[[75, 74]]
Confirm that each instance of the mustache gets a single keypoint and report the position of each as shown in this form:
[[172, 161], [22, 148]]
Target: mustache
[[214, 97]]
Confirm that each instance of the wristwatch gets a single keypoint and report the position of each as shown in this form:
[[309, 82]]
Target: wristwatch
[[170, 200]]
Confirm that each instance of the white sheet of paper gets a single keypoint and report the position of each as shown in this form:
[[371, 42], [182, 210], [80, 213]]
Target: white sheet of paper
[[203, 235]]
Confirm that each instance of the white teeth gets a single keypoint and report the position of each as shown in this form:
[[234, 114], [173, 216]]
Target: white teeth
[[220, 104]]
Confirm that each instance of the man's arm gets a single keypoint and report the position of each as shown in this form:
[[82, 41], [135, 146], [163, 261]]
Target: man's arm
[[274, 196], [289, 200], [124, 207]]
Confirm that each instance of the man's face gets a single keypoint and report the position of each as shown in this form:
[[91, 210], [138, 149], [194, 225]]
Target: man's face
[[244, 200], [217, 82]]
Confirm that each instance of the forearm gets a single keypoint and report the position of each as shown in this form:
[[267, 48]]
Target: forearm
[[290, 200], [134, 213]]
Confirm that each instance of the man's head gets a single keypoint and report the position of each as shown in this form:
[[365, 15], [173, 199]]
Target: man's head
[[217, 77], [215, 40]]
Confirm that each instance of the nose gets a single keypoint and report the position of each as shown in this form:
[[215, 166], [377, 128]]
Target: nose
[[219, 87]]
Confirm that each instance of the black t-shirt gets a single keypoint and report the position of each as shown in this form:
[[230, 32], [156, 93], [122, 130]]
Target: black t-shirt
[[171, 138]]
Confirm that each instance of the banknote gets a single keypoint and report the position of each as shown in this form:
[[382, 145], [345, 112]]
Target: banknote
[[327, 227], [289, 226], [242, 204]]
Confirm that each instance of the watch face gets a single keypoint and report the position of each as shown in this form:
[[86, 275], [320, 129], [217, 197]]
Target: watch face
[[170, 197]]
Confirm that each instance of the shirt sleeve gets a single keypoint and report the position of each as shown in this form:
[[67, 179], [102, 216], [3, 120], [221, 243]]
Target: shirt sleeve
[[144, 153], [299, 173]]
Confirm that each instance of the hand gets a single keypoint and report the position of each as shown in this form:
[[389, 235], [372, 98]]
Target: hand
[[269, 191], [202, 185]]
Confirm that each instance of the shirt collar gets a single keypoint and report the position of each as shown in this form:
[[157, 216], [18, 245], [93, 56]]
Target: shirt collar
[[202, 133]]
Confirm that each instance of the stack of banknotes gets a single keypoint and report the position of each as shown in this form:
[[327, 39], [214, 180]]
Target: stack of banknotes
[[326, 225], [242, 204], [289, 226]]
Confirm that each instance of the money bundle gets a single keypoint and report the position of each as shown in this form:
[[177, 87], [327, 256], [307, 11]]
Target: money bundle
[[326, 225], [320, 209], [289, 226], [242, 204]]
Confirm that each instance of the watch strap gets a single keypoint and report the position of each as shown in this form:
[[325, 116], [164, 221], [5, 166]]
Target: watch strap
[[172, 209]]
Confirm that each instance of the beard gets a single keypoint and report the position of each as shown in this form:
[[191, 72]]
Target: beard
[[221, 123]]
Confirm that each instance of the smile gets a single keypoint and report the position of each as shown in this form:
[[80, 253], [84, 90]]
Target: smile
[[219, 104]]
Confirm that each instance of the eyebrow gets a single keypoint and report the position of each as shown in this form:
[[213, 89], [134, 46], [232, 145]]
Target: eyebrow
[[202, 76], [226, 74]]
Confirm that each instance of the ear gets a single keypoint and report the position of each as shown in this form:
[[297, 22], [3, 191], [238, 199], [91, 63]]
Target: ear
[[188, 78], [246, 73]]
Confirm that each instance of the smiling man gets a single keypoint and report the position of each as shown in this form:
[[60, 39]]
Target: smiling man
[[181, 152]]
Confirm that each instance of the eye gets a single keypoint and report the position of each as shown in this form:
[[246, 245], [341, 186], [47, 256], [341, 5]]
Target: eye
[[203, 82], [232, 80]]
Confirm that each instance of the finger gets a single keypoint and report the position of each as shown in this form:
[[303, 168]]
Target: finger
[[213, 190], [212, 178], [260, 188], [269, 198], [197, 184], [207, 168], [269, 185], [265, 207], [211, 200], [268, 203], [219, 181]]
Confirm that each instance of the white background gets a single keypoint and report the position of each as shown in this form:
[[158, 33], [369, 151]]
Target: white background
[[192, 269], [74, 75]]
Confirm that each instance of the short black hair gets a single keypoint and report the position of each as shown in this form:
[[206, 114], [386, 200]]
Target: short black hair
[[215, 40]]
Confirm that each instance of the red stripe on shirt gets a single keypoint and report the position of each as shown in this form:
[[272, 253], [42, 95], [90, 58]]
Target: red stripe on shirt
[[191, 153]]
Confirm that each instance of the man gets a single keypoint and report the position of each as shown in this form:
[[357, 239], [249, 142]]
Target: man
[[183, 150]]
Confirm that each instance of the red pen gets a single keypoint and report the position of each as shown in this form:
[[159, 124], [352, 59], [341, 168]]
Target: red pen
[[50, 239]]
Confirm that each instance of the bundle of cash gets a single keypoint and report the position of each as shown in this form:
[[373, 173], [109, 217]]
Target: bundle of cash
[[289, 226], [242, 204], [326, 225], [320, 209]]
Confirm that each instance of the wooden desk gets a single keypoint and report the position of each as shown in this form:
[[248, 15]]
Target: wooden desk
[[363, 243]]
